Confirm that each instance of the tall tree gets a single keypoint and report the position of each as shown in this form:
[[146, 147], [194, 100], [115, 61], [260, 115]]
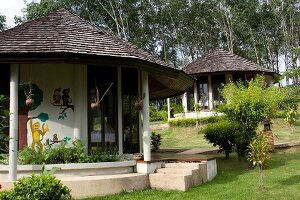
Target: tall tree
[[2, 22]]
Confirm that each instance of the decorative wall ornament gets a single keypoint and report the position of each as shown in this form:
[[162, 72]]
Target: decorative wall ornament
[[62, 100], [95, 102]]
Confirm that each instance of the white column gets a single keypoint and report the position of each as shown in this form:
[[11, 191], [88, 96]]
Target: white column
[[13, 122], [210, 94], [120, 113], [184, 102], [77, 81], [169, 109], [146, 118], [195, 92]]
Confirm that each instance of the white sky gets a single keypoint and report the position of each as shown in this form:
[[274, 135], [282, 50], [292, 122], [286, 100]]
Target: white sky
[[10, 8]]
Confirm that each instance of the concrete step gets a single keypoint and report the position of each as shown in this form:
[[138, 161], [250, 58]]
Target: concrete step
[[196, 176], [170, 181], [91, 186], [182, 165], [176, 171]]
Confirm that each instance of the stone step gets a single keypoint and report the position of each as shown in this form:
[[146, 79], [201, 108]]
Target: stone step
[[197, 177], [182, 165], [170, 181], [92, 186], [176, 171]]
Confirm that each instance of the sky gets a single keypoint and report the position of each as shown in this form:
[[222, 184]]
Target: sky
[[10, 8]]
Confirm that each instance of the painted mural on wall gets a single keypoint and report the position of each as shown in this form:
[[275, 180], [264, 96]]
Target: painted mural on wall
[[36, 94], [38, 133], [61, 98]]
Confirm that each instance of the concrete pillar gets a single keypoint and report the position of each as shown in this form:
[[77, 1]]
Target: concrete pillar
[[210, 94], [120, 113], [196, 92], [184, 102], [13, 122], [169, 109], [80, 102], [146, 118]]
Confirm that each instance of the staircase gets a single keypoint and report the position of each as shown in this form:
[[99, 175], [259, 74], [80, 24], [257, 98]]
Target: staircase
[[179, 176]]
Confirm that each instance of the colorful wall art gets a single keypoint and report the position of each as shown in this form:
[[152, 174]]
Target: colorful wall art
[[62, 100]]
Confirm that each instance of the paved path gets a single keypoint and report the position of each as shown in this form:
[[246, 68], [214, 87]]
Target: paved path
[[214, 149]]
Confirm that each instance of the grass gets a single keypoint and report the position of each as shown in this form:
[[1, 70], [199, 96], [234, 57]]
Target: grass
[[236, 180], [190, 137]]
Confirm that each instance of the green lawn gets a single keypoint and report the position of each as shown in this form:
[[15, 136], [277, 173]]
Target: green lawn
[[188, 137], [236, 180]]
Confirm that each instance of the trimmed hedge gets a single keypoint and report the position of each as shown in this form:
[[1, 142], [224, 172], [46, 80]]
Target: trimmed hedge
[[222, 134], [186, 122]]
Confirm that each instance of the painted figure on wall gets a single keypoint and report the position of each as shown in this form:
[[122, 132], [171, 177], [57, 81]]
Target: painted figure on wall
[[63, 101], [37, 95], [38, 133], [56, 96]]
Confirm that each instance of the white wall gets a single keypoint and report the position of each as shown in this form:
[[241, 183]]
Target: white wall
[[49, 77]]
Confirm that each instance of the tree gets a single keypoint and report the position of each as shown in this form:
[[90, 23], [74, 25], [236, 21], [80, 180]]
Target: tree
[[248, 106], [258, 155], [24, 110], [2, 22]]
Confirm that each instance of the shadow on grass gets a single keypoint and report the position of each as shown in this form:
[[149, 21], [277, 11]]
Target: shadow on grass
[[293, 180]]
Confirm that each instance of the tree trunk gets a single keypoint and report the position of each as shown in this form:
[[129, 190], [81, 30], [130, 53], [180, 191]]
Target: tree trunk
[[23, 119]]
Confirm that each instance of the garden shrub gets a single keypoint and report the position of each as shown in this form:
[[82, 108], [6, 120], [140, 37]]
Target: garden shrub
[[186, 122], [221, 134], [155, 141], [63, 154], [42, 187], [160, 115], [4, 118], [99, 154], [248, 106], [30, 156], [259, 154], [6, 195]]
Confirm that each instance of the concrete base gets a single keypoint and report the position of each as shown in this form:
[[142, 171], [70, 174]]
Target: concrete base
[[74, 169], [181, 176], [148, 167]]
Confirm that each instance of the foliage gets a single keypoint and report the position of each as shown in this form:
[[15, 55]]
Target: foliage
[[186, 122], [248, 106], [155, 141], [221, 134], [155, 115], [40, 187], [30, 156], [177, 108], [4, 118], [6, 195], [62, 154], [259, 154], [98, 154], [2, 22], [291, 116]]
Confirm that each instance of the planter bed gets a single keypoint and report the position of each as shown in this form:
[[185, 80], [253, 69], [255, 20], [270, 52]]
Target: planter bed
[[74, 169]]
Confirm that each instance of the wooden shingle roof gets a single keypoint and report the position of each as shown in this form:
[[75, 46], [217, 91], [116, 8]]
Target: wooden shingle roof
[[63, 32], [223, 61], [64, 37]]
